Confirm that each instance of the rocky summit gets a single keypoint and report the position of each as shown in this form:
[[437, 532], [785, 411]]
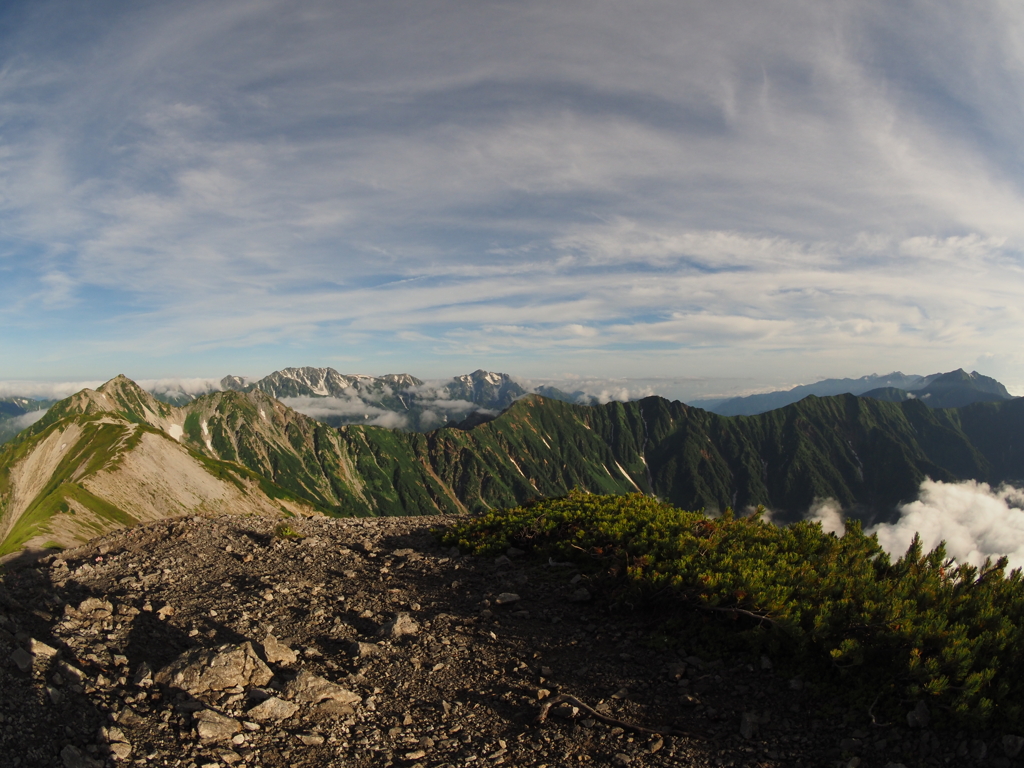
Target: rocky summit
[[243, 641]]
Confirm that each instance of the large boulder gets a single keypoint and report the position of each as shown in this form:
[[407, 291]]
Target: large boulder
[[201, 670]]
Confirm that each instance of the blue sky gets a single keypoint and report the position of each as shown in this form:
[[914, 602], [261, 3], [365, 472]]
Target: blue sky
[[711, 196]]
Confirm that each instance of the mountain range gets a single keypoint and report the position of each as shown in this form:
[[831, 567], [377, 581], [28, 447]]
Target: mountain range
[[394, 400], [105, 459], [939, 390], [405, 402]]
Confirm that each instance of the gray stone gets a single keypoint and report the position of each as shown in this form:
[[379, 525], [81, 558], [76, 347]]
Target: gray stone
[[364, 650], [919, 716], [506, 598], [565, 710], [213, 726], [109, 735], [70, 673], [332, 708], [272, 710], [748, 725], [93, 606], [143, 675], [581, 595], [310, 739], [308, 688], [259, 694], [130, 717], [1012, 745], [403, 624], [851, 745], [41, 649], [677, 671], [277, 652], [120, 750], [22, 659], [215, 669], [72, 757]]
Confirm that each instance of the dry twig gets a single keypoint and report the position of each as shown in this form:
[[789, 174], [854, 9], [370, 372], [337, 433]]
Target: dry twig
[[567, 699]]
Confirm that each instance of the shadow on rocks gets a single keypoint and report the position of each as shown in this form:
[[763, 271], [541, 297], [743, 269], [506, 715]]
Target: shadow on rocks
[[45, 708]]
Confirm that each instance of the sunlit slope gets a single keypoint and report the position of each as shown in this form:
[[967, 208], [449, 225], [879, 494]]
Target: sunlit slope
[[86, 474]]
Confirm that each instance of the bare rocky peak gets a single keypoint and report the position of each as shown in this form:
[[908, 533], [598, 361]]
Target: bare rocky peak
[[327, 382], [485, 388], [236, 383], [230, 642]]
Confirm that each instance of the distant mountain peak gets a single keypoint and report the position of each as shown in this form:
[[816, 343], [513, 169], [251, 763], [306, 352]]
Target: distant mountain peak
[[236, 383]]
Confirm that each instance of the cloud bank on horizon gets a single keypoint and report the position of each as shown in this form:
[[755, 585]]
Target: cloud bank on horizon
[[724, 190]]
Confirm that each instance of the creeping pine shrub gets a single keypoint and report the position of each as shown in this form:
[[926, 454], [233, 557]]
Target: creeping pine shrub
[[920, 628], [285, 531]]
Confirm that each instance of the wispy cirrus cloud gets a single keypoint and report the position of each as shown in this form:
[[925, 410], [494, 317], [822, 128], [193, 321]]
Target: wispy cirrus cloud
[[808, 189]]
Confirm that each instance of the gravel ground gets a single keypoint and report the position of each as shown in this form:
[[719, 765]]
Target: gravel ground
[[208, 642]]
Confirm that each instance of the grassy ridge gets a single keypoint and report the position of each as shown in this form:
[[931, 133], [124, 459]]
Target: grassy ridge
[[100, 447], [866, 454], [838, 609], [97, 448]]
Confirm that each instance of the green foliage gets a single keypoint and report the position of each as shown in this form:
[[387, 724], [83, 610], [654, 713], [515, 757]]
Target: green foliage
[[918, 628], [285, 531]]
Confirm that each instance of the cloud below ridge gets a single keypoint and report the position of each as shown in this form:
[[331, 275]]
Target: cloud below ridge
[[975, 520]]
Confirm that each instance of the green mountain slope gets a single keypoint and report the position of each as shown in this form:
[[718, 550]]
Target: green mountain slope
[[83, 471], [867, 454]]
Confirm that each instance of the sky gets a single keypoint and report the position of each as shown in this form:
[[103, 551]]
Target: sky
[[703, 197]]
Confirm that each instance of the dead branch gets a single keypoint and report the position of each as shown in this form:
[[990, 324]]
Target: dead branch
[[626, 726]]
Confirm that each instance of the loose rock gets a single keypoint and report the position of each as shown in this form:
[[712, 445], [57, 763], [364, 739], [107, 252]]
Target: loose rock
[[213, 726], [276, 652], [272, 709], [215, 669], [312, 689], [402, 625]]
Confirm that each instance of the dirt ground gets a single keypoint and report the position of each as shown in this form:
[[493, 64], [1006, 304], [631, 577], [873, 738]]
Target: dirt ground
[[440, 660]]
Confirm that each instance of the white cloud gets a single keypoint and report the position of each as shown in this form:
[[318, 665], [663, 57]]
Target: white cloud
[[975, 520], [358, 411], [658, 189], [429, 419], [190, 386], [45, 390], [26, 419], [829, 513]]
